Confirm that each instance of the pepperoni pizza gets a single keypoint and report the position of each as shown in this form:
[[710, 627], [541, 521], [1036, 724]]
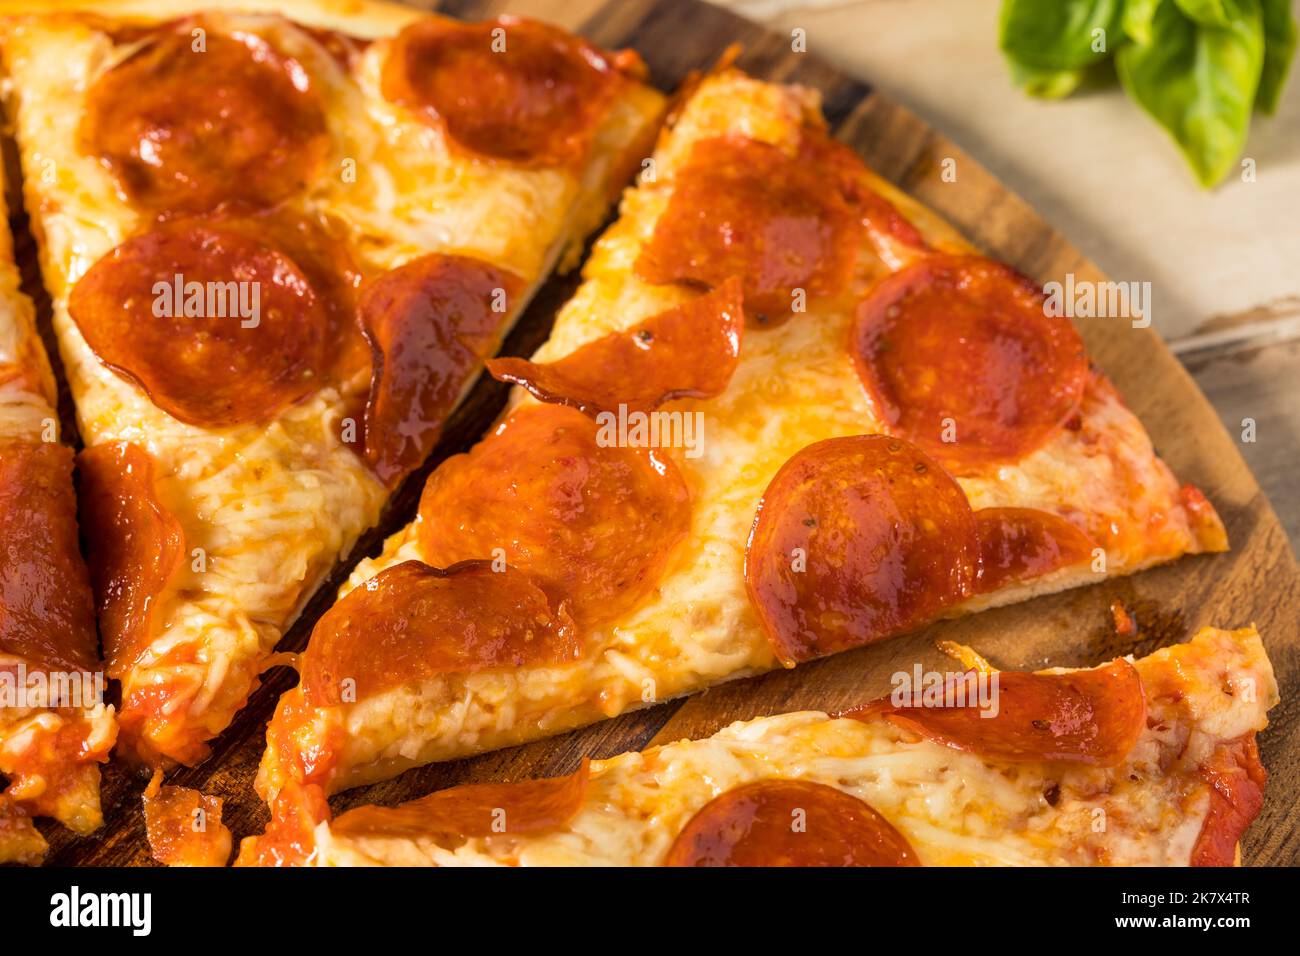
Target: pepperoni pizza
[[1148, 762], [54, 727], [280, 237], [789, 412]]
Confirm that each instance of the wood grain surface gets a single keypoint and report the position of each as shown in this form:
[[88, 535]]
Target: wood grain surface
[[1257, 581]]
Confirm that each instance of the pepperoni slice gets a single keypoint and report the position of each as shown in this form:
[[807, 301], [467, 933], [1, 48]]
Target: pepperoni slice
[[592, 522], [220, 327], [509, 89], [430, 324], [878, 213], [958, 355], [318, 246], [1020, 544], [183, 826], [1088, 716], [412, 622], [136, 546], [187, 131], [857, 539], [47, 615], [789, 823], [744, 208], [1236, 779], [474, 810], [687, 352]]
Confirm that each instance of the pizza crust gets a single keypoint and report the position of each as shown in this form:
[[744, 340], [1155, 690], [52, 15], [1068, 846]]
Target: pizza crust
[[954, 807]]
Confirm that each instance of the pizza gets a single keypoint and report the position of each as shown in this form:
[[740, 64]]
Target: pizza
[[789, 412], [1136, 762], [280, 237], [55, 729]]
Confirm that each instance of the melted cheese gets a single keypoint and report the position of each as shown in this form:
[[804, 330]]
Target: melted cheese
[[268, 509], [28, 734], [27, 415], [955, 808], [26, 384], [795, 384]]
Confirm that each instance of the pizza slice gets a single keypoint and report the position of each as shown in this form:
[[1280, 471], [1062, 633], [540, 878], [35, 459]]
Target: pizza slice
[[1149, 762], [55, 729], [278, 251], [732, 455]]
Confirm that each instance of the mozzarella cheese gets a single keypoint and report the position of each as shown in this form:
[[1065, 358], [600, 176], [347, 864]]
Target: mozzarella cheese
[[268, 509], [795, 385], [26, 384], [954, 807]]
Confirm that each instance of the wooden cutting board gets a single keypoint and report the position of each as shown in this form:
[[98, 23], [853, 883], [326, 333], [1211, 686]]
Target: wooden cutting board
[[1256, 582]]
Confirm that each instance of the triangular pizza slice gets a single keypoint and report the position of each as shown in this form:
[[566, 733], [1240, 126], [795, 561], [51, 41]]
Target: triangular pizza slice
[[788, 412], [1149, 762], [278, 251], [55, 729]]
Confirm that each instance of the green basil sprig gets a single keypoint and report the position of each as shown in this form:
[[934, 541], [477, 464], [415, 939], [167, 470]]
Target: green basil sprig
[[1279, 49], [1198, 67]]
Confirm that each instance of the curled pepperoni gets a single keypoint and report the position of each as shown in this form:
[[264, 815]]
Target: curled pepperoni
[[430, 324], [1090, 716], [184, 827], [412, 622], [474, 810], [857, 539], [958, 355], [318, 247], [47, 615], [219, 326], [593, 523], [1236, 779], [789, 823], [744, 208], [136, 546], [686, 352], [510, 89], [186, 131], [1020, 544], [880, 216]]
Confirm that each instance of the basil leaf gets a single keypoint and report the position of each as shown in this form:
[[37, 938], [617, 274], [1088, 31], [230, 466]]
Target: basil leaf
[[1046, 84], [1279, 50], [1199, 83], [1212, 13], [1136, 19], [1058, 34]]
